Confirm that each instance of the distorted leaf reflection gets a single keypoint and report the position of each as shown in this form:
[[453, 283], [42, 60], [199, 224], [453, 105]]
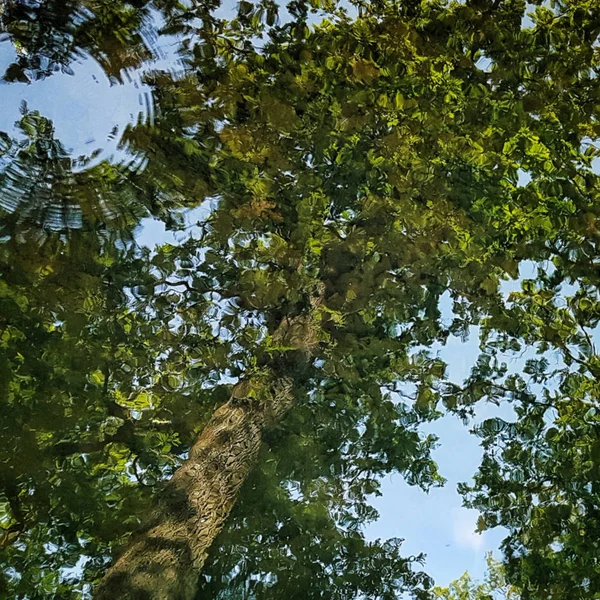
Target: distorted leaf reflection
[[79, 69], [255, 260]]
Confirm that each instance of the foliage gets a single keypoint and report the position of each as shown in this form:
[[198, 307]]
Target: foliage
[[494, 587], [45, 190], [357, 171], [48, 36], [539, 474]]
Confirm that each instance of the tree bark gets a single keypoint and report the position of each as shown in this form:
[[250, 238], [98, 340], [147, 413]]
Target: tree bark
[[164, 559]]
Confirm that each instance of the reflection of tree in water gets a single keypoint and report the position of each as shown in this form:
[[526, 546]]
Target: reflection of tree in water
[[49, 35], [42, 186], [363, 172]]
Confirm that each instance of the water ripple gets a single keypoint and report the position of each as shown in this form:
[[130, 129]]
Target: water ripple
[[82, 100]]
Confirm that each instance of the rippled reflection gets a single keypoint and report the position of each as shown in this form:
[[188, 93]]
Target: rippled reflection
[[40, 186], [49, 35], [73, 86]]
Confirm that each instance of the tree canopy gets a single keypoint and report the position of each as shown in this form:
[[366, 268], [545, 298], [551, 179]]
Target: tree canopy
[[354, 172], [494, 586]]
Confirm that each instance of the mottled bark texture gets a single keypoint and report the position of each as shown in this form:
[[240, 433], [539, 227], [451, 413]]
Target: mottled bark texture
[[164, 559]]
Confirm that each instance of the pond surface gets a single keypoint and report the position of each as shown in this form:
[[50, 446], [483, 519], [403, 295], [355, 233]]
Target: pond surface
[[257, 261]]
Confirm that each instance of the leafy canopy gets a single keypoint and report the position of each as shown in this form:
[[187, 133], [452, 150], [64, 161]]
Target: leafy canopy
[[356, 171]]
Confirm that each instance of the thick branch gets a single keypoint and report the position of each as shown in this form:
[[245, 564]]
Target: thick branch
[[164, 559]]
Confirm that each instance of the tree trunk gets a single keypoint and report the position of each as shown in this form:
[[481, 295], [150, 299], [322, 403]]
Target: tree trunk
[[164, 559]]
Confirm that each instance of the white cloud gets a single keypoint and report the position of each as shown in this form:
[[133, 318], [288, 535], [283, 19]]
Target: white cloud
[[464, 522]]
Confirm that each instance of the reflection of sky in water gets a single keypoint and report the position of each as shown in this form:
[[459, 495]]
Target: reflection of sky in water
[[90, 113], [86, 108], [436, 523]]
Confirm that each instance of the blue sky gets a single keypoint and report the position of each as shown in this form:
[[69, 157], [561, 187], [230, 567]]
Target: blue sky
[[435, 523], [85, 108]]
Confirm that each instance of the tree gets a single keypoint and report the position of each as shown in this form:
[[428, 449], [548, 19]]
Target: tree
[[277, 357], [494, 587], [539, 476], [49, 36]]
